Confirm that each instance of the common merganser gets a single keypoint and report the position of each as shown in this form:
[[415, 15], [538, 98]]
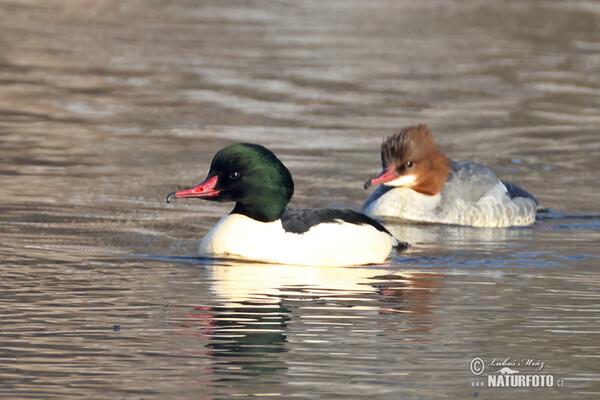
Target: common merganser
[[421, 184], [260, 227]]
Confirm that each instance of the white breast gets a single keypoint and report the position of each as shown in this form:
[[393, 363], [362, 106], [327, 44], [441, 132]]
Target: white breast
[[329, 244]]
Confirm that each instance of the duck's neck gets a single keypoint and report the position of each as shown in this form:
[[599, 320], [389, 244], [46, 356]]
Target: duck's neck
[[434, 174], [260, 212]]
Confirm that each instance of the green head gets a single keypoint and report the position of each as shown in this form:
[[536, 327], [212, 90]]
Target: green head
[[250, 175]]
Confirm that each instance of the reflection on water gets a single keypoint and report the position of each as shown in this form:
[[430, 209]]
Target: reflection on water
[[240, 339], [453, 237], [106, 106], [280, 284], [263, 309]]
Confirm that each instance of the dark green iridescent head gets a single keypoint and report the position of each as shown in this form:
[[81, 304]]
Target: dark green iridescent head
[[250, 175]]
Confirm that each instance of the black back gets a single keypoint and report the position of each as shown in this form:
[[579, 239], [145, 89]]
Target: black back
[[517, 191], [300, 220]]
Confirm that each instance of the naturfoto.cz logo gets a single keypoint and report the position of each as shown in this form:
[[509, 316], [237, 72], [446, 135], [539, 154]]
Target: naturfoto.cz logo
[[509, 372]]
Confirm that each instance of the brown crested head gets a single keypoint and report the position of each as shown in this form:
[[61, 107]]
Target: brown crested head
[[414, 155]]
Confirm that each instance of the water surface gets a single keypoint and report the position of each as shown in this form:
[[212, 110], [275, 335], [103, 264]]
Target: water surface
[[107, 106]]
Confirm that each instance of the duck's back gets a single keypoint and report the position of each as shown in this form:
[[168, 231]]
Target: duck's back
[[473, 195]]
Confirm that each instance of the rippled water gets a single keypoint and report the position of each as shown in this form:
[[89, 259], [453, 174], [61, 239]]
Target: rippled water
[[107, 106]]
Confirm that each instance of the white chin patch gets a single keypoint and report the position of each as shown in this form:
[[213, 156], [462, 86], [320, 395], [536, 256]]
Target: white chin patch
[[404, 180]]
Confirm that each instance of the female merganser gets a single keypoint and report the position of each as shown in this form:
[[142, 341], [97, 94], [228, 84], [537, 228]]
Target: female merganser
[[422, 184], [261, 228]]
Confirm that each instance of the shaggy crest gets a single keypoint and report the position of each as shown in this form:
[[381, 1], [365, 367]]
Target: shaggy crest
[[406, 141]]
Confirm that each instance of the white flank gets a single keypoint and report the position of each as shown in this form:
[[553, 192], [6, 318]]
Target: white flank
[[327, 244]]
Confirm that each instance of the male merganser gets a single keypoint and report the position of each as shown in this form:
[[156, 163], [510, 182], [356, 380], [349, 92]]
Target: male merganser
[[261, 228], [422, 184]]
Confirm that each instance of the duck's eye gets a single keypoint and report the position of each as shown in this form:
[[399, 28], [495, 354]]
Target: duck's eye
[[234, 175], [409, 164]]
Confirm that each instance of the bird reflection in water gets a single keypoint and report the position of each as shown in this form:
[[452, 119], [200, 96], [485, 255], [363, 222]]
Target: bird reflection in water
[[263, 307]]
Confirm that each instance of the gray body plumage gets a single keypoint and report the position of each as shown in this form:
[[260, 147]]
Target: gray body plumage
[[472, 195]]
